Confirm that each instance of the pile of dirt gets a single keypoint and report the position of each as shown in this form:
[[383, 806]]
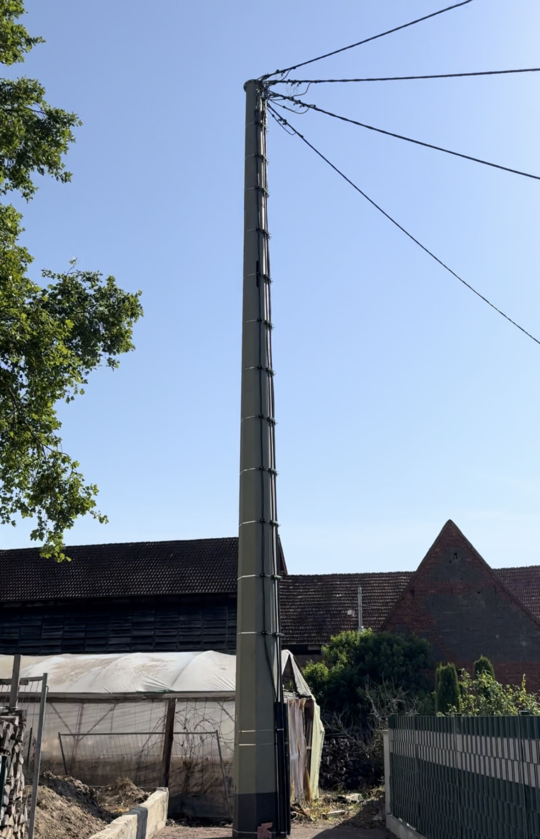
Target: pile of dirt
[[68, 808], [120, 797]]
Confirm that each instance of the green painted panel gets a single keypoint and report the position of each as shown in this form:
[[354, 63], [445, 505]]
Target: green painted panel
[[443, 802]]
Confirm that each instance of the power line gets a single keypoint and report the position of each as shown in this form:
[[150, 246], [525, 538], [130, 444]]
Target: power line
[[403, 78], [285, 124], [365, 41], [299, 102]]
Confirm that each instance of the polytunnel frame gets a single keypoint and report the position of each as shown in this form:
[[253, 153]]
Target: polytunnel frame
[[169, 737]]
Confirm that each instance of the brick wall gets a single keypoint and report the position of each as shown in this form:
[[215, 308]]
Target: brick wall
[[456, 603]]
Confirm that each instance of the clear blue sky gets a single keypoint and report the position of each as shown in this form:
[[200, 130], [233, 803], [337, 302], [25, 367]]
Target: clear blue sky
[[402, 400]]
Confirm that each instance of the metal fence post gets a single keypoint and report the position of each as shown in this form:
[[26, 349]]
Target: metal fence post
[[168, 738], [37, 761], [63, 754], [387, 772]]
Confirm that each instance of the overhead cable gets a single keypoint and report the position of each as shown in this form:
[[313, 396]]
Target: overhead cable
[[365, 41], [300, 103], [403, 78], [287, 125]]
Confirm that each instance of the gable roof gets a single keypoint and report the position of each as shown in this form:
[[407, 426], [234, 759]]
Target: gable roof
[[316, 606], [463, 608], [127, 569], [451, 532], [313, 606]]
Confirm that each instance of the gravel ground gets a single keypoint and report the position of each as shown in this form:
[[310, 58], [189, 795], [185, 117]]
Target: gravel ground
[[301, 831], [332, 816]]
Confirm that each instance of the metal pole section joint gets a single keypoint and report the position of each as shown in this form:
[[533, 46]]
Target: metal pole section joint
[[258, 664]]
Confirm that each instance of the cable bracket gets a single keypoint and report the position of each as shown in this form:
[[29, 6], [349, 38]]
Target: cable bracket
[[260, 469], [269, 420], [262, 367], [259, 188]]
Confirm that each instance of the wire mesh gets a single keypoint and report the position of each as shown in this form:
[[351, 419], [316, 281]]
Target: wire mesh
[[97, 741], [200, 782], [98, 758], [29, 700]]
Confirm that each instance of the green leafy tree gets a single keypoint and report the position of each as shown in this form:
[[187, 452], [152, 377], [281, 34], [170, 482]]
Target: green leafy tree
[[484, 696], [483, 665], [356, 664], [447, 693], [52, 335]]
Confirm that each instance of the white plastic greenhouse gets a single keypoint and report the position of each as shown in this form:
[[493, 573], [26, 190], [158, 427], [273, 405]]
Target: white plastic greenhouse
[[159, 719]]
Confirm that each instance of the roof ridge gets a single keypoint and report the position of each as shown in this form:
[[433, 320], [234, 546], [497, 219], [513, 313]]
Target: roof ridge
[[515, 567], [116, 544]]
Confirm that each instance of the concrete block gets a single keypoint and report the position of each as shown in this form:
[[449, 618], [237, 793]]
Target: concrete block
[[140, 822], [401, 829]]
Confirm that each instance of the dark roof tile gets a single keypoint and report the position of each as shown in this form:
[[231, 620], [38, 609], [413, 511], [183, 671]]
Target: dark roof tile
[[196, 566], [313, 607]]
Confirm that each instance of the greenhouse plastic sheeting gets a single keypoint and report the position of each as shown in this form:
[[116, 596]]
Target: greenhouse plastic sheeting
[[198, 672], [106, 717]]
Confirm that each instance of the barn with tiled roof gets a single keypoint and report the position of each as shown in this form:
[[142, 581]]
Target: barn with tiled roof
[[181, 595]]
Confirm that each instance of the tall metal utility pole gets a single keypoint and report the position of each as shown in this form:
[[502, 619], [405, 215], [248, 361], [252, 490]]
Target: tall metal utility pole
[[261, 798]]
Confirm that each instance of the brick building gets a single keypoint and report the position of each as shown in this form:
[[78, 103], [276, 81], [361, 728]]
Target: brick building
[[455, 600], [465, 609], [181, 595]]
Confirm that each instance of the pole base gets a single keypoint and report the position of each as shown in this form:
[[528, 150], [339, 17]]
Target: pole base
[[252, 811]]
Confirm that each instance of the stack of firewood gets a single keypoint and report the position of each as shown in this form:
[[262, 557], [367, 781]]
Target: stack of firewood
[[346, 765], [13, 817]]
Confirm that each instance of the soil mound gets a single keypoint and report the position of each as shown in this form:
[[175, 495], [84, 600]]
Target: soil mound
[[120, 797], [68, 808]]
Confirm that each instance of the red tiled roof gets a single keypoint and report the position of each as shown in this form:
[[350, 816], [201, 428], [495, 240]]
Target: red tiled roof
[[523, 583], [313, 607], [316, 606]]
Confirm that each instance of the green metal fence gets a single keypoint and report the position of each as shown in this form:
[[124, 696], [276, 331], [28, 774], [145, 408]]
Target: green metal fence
[[466, 777]]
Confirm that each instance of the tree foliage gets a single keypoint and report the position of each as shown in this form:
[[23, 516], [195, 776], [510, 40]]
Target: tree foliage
[[447, 694], [483, 696], [52, 335], [354, 664], [483, 665], [15, 41]]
